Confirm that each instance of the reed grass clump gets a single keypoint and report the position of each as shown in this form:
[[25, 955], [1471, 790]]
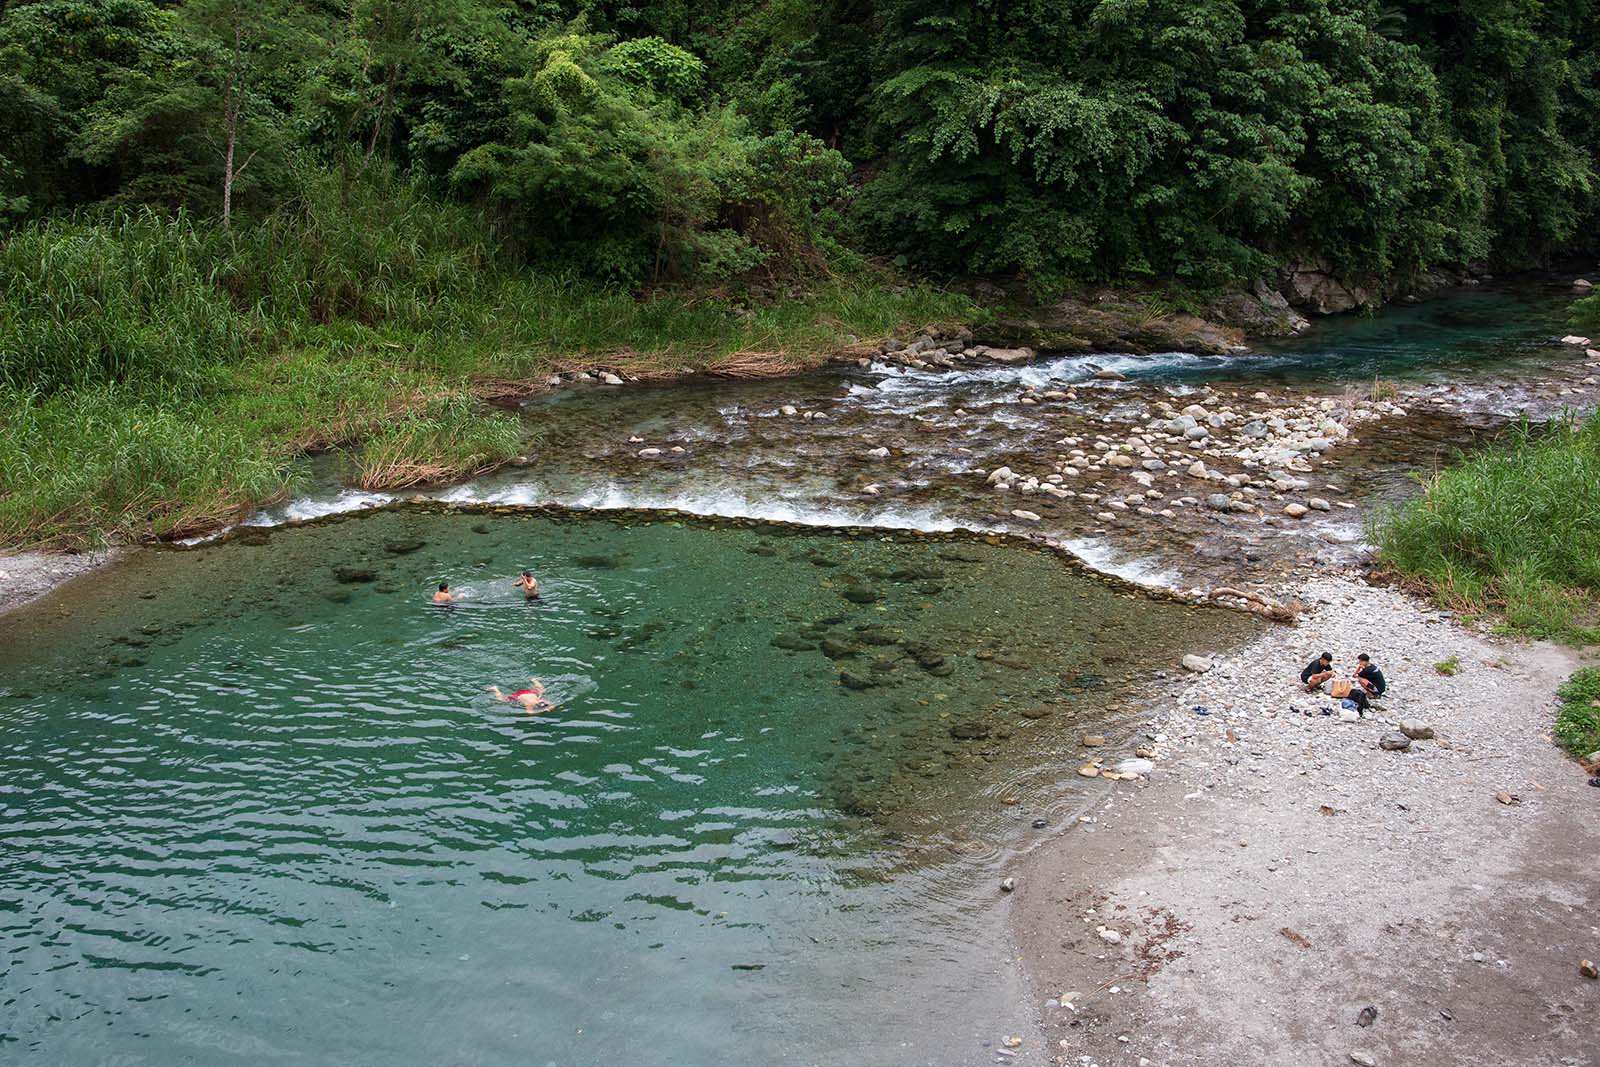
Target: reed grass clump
[[1512, 531]]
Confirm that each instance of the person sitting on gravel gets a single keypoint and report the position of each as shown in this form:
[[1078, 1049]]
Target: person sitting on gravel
[[1370, 677], [1317, 671]]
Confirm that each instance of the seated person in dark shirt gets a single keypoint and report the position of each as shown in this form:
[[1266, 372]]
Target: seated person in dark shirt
[[1370, 677], [1317, 671]]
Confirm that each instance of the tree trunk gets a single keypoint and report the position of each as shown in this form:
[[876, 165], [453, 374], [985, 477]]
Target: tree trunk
[[230, 123]]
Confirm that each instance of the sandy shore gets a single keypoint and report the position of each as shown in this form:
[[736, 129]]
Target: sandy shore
[[1279, 873], [26, 576]]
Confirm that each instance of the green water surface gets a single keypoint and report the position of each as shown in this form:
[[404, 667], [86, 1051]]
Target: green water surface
[[259, 808]]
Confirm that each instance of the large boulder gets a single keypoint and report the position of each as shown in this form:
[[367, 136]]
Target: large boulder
[[1312, 284]]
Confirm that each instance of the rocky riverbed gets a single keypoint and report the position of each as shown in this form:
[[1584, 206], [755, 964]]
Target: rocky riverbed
[[1280, 888]]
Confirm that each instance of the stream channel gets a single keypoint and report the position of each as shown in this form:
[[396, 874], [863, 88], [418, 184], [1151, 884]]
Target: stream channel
[[258, 806]]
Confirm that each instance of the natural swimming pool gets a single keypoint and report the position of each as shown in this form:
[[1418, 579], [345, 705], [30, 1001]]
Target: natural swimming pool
[[259, 807]]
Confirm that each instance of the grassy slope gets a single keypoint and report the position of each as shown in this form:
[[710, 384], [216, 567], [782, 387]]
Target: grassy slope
[[1513, 531], [159, 377]]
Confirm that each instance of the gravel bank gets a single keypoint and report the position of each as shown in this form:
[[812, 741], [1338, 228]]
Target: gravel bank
[[26, 576], [1278, 872]]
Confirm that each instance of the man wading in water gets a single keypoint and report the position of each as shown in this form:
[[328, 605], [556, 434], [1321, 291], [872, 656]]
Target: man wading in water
[[529, 586]]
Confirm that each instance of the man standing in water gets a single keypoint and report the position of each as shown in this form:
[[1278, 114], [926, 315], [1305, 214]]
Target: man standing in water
[[529, 586], [531, 699], [443, 595]]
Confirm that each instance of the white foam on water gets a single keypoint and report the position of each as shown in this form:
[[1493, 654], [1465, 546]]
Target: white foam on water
[[301, 509], [714, 502], [1102, 558]]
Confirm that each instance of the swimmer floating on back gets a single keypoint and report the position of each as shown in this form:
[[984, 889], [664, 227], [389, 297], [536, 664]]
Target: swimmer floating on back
[[531, 699]]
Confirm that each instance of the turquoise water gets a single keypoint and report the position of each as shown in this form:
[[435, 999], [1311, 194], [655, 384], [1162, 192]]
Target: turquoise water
[[260, 809]]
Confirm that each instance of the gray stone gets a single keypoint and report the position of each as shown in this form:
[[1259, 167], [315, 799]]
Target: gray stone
[[1417, 731], [1318, 504], [1394, 742], [1218, 502], [1197, 664], [1295, 511]]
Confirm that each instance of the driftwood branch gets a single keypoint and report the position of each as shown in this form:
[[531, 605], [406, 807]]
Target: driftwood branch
[[1272, 609]]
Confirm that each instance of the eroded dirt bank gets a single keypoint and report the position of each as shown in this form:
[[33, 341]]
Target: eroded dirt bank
[[1279, 872]]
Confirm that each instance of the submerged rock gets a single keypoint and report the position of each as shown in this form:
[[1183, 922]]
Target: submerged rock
[[852, 680], [403, 547], [350, 575]]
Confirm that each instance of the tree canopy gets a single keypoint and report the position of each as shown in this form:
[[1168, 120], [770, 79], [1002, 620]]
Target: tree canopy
[[1204, 140]]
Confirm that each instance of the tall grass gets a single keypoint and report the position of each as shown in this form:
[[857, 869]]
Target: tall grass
[[1512, 531], [160, 374]]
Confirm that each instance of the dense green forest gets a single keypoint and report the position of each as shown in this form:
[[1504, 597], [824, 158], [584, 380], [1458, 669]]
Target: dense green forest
[[232, 232], [1198, 139]]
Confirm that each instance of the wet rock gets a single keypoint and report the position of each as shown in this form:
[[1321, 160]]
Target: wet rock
[[403, 547], [1010, 355], [852, 680], [862, 594], [1109, 376], [350, 575], [1394, 742], [1025, 516], [1197, 664], [792, 643], [877, 635], [1198, 469], [1135, 766], [878, 453], [1039, 712], [1417, 731], [834, 648], [1254, 428], [649, 453], [1296, 511], [1196, 433], [972, 730], [1218, 502], [1120, 459], [610, 379], [1094, 740]]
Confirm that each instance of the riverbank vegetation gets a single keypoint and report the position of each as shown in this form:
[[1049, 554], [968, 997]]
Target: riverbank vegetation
[[233, 232], [1578, 721], [1511, 532]]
